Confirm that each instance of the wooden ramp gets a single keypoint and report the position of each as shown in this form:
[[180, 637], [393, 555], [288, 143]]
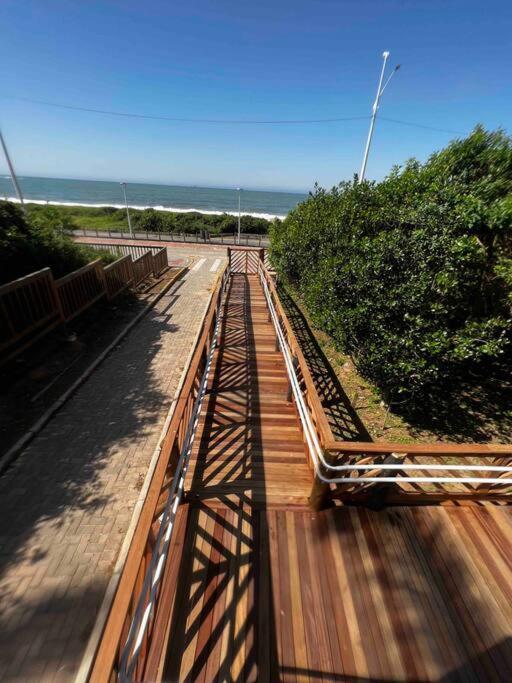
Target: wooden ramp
[[259, 587], [248, 444], [267, 590]]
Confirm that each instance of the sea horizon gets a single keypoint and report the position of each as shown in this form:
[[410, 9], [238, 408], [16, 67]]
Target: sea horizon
[[267, 204]]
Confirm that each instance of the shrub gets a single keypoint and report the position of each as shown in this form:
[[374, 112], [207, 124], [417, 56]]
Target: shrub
[[39, 241], [149, 220], [412, 275]]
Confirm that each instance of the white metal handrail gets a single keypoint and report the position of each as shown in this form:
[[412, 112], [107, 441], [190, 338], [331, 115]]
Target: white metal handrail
[[154, 573], [317, 453]]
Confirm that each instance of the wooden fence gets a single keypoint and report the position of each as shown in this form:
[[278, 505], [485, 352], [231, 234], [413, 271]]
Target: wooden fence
[[33, 305], [133, 250], [142, 267], [243, 260], [29, 307], [80, 289], [118, 276], [159, 261]]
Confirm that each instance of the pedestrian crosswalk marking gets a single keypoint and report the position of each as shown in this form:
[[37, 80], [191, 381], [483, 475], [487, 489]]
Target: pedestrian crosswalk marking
[[198, 264]]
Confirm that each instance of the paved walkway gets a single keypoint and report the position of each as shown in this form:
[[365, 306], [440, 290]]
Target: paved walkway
[[66, 504]]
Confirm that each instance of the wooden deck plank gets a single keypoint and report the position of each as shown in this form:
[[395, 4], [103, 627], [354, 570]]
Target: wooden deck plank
[[315, 612]]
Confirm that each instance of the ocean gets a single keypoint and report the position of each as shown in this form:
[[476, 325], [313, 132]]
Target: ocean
[[142, 196]]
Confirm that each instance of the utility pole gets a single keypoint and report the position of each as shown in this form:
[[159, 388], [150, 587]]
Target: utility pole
[[239, 191], [123, 185], [380, 90], [12, 172]]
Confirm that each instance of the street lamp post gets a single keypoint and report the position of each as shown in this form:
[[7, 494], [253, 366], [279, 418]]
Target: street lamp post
[[123, 185], [239, 189], [380, 90], [12, 172]]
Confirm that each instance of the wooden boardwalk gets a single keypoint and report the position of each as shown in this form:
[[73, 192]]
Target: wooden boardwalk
[[259, 587], [267, 590], [248, 444]]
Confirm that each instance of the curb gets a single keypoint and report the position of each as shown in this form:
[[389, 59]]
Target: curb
[[22, 442]]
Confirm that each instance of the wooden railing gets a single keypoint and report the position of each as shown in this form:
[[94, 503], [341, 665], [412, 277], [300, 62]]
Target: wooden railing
[[80, 289], [118, 276], [29, 308], [245, 259], [33, 305], [142, 267], [160, 261], [136, 251], [445, 461], [107, 660]]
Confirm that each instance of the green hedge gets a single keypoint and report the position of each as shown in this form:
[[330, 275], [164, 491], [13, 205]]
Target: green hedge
[[27, 245], [412, 276], [150, 220]]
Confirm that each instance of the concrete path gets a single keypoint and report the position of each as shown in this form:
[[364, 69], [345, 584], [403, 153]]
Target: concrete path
[[66, 504]]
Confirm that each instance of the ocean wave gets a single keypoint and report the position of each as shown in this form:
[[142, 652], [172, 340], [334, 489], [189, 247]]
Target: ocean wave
[[170, 209]]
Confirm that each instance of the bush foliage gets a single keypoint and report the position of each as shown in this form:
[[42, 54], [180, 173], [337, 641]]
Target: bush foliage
[[27, 245], [411, 276], [151, 220]]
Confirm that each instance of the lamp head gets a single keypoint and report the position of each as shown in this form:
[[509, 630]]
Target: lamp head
[[385, 54]]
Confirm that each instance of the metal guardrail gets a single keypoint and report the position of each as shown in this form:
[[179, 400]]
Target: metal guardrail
[[246, 239]]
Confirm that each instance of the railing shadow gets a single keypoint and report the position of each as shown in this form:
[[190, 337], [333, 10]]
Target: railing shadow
[[343, 419], [223, 626]]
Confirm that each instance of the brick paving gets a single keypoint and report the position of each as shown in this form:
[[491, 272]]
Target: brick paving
[[67, 502]]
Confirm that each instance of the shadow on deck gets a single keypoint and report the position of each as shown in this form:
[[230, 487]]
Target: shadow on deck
[[342, 595], [343, 419]]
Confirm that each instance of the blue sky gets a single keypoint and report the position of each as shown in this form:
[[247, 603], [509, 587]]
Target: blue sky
[[245, 60]]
